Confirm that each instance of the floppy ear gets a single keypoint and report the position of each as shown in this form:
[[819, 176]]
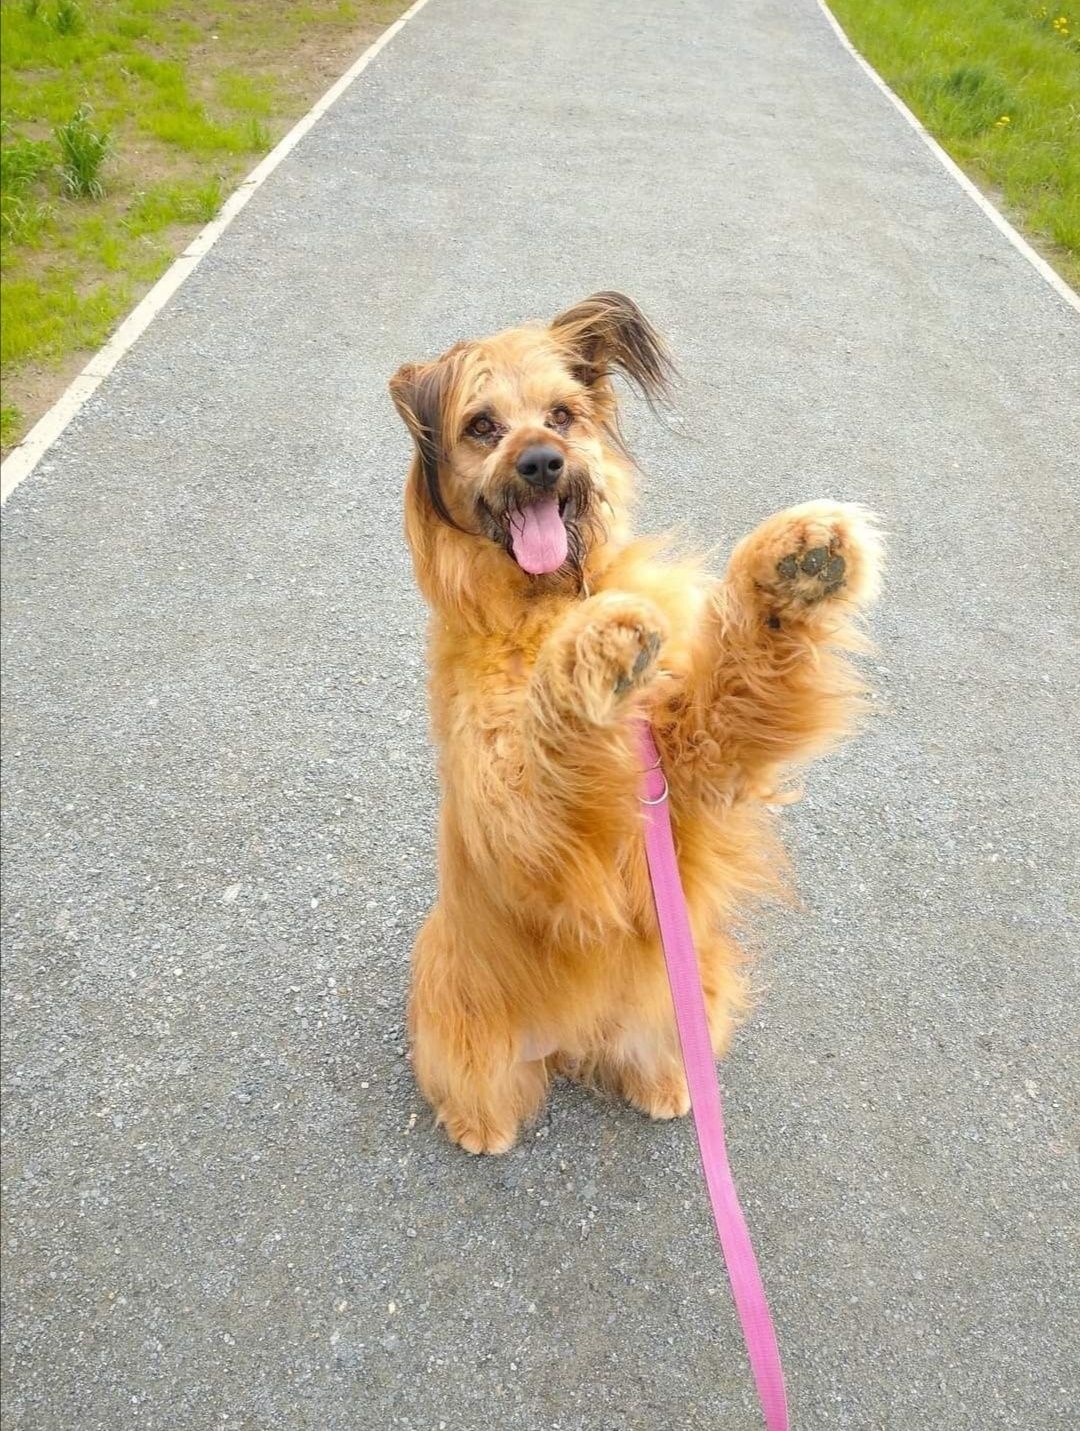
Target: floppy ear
[[419, 391], [609, 332]]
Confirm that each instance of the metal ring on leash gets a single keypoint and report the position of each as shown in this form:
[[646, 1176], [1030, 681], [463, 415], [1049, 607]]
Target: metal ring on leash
[[660, 798]]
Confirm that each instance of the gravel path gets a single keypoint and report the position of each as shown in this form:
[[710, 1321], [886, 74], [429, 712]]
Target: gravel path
[[224, 1205]]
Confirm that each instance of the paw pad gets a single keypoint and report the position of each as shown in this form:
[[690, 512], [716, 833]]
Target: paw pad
[[642, 661], [827, 567], [645, 657], [815, 560]]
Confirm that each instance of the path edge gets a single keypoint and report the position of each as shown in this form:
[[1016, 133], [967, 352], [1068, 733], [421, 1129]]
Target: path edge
[[996, 217], [23, 458]]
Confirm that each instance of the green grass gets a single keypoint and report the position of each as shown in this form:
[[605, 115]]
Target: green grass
[[52, 316], [189, 201], [124, 124], [997, 82]]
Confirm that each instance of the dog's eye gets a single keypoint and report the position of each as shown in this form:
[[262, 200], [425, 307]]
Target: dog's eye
[[561, 416], [481, 426]]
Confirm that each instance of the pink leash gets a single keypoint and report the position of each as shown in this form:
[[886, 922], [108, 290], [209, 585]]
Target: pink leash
[[693, 1026]]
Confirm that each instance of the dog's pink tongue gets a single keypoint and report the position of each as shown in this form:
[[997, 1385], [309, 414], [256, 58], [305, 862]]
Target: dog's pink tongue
[[538, 538]]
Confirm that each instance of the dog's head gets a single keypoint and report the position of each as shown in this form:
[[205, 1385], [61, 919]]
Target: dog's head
[[519, 469]]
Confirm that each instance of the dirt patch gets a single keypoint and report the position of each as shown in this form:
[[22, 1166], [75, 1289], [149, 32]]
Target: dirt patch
[[34, 390]]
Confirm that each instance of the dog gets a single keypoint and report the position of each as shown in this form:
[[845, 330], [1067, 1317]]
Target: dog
[[551, 630]]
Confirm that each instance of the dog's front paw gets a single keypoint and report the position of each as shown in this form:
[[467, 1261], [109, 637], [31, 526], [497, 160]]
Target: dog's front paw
[[613, 652], [810, 555]]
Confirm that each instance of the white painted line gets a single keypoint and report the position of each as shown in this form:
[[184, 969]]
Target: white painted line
[[1000, 222], [22, 460]]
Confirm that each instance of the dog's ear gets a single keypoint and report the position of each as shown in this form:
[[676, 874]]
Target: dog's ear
[[609, 332], [419, 391]]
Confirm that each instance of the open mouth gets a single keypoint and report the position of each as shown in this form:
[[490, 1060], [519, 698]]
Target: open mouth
[[540, 535]]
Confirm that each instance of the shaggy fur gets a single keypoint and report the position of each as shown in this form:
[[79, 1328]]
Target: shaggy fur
[[541, 956]]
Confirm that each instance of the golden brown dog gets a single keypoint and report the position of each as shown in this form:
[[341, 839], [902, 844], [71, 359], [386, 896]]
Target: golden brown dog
[[550, 629]]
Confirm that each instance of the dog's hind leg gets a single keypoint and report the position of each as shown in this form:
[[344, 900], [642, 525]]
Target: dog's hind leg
[[769, 686], [636, 1054], [640, 1065], [464, 1050], [643, 1065]]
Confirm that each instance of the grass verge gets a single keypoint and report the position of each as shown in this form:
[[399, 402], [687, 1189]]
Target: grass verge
[[997, 82], [124, 124]]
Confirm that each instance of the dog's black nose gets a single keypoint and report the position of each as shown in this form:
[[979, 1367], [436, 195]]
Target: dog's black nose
[[541, 465]]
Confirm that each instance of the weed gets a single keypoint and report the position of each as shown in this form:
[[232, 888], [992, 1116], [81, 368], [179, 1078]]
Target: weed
[[68, 17], [21, 162], [30, 9], [23, 221], [83, 150]]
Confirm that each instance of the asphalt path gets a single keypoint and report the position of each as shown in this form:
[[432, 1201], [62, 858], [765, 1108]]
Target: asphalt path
[[225, 1206]]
